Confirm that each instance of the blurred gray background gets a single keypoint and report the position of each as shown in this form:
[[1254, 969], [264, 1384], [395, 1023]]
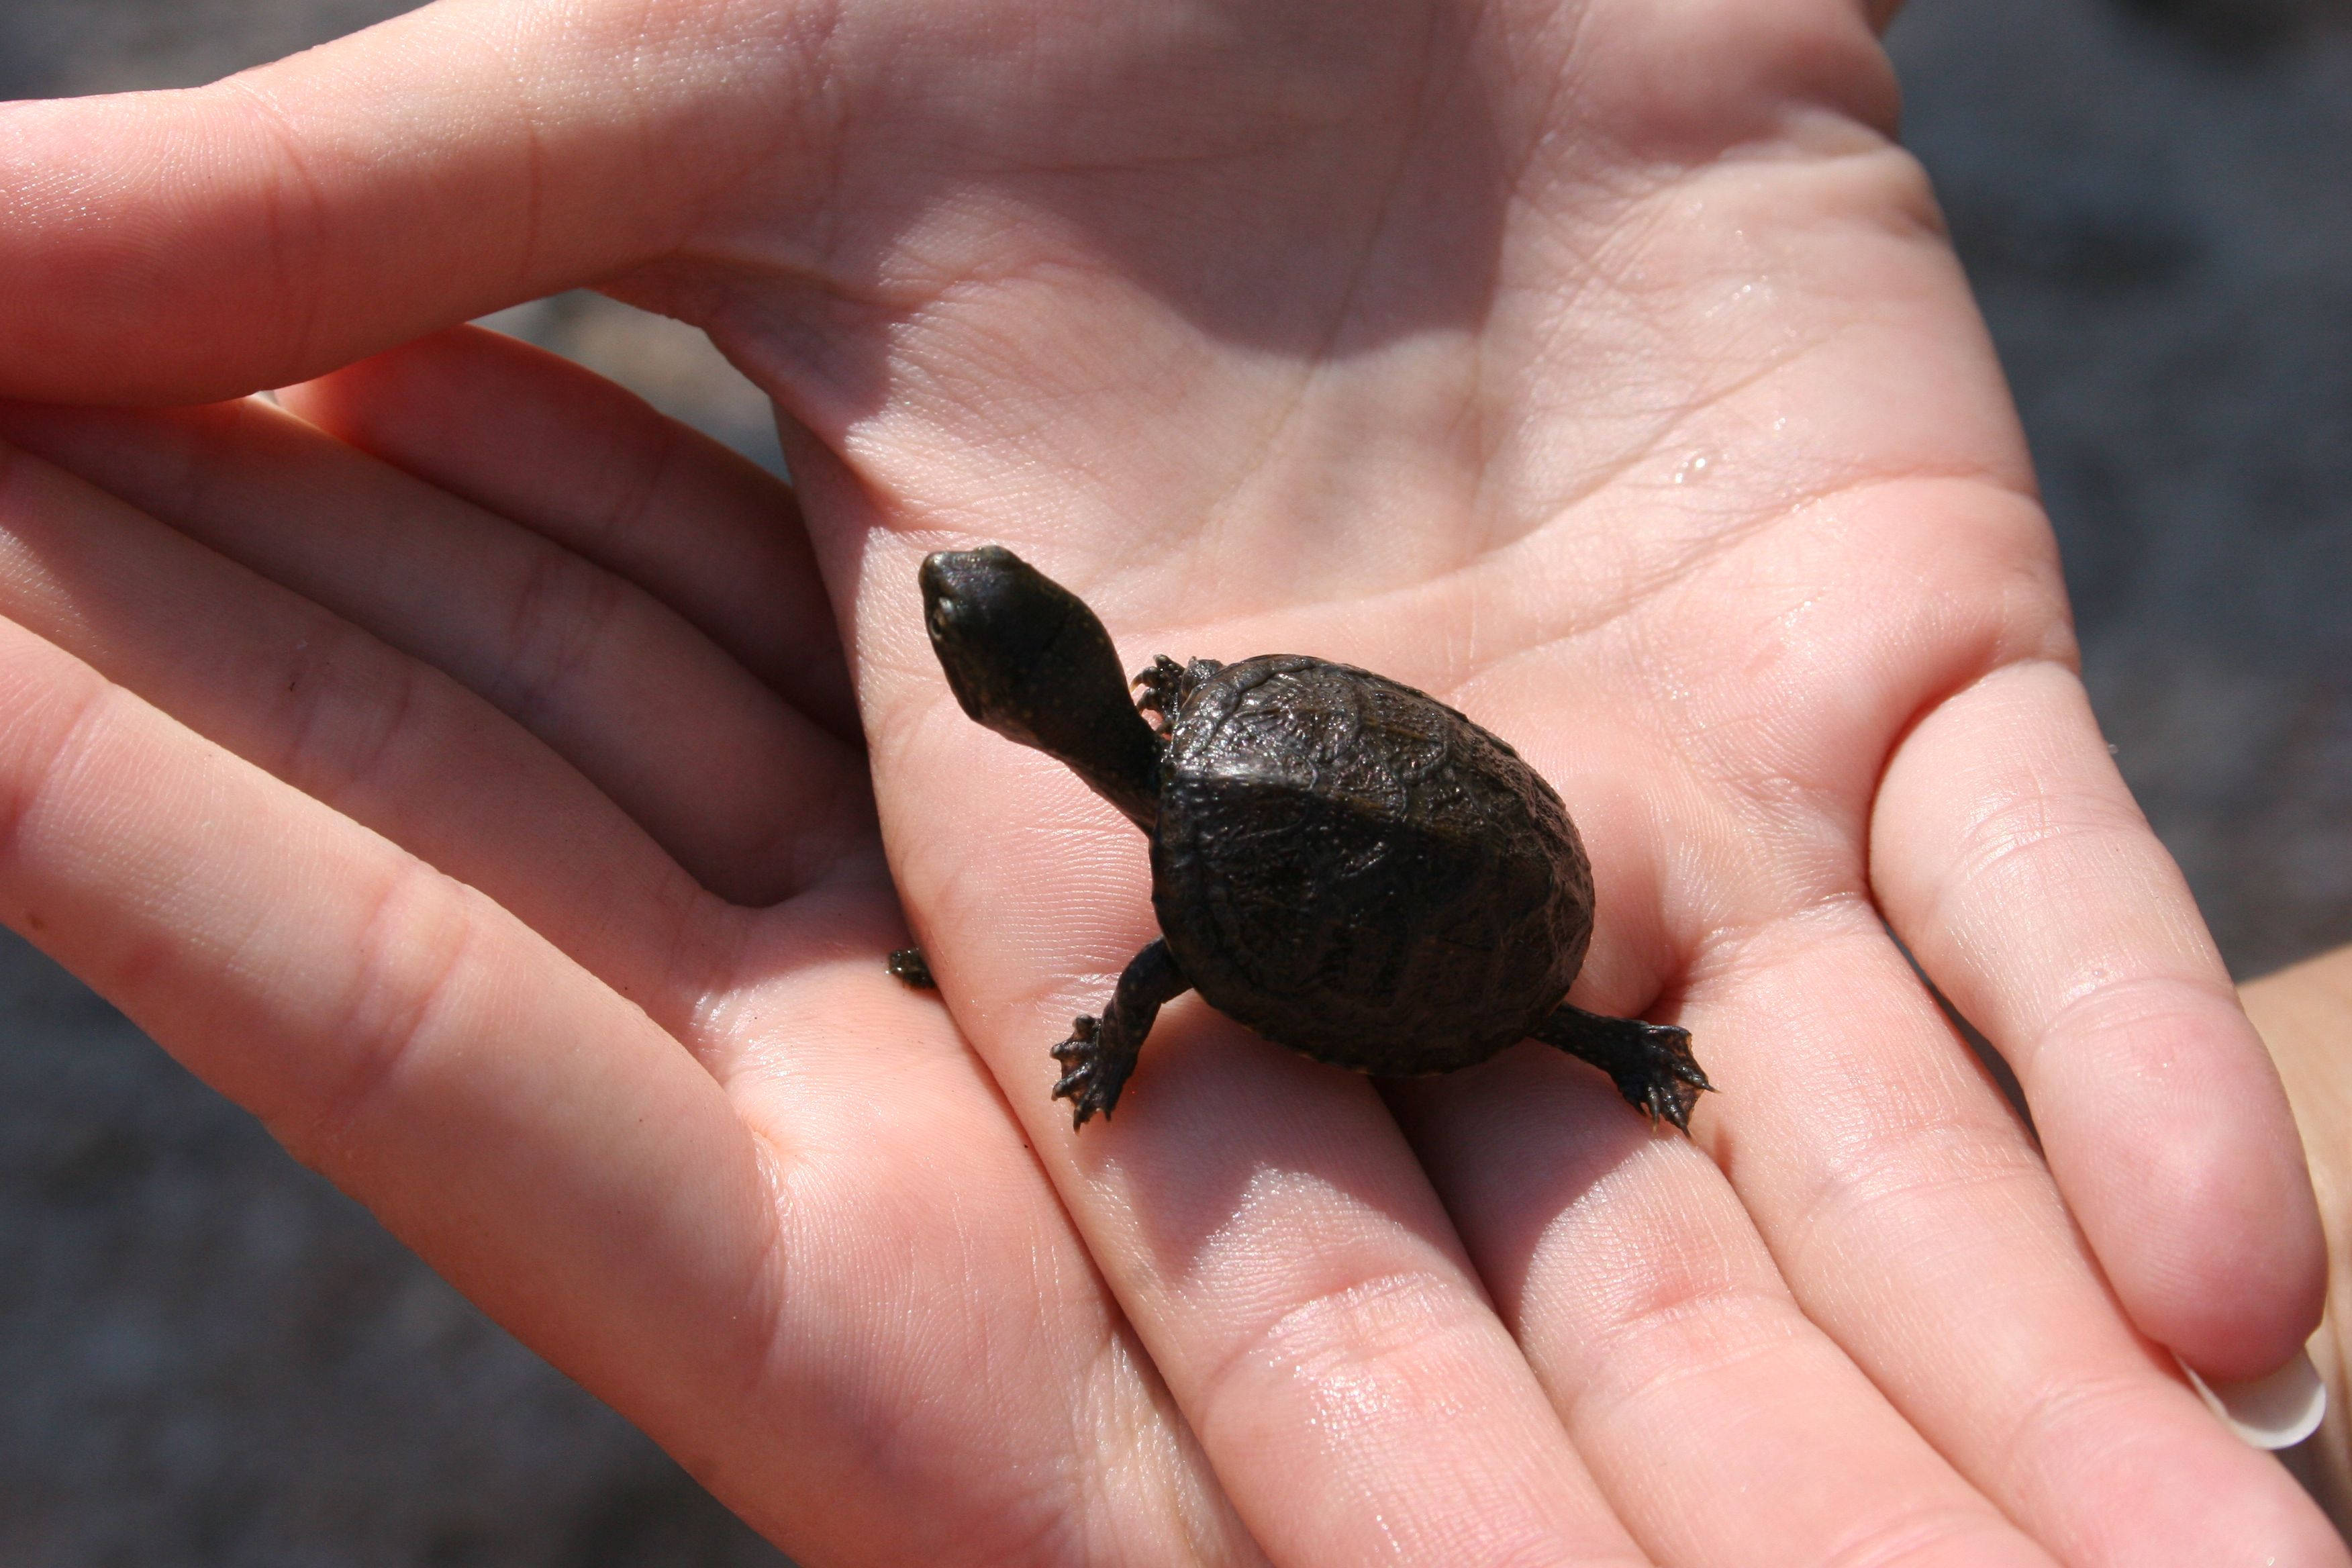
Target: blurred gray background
[[208, 1356]]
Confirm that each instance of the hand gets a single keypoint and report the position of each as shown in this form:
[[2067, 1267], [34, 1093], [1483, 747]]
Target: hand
[[390, 795], [2306, 1016], [1600, 369]]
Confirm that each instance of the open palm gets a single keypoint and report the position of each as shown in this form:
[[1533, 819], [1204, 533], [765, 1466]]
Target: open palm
[[1597, 367]]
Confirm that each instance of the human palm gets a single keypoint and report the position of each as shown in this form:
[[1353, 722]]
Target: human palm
[[1599, 368]]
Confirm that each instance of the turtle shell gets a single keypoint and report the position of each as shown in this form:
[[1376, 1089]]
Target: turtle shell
[[1355, 870]]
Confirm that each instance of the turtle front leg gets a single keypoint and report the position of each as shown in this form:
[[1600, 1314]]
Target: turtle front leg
[[1167, 686], [1651, 1063], [1098, 1055]]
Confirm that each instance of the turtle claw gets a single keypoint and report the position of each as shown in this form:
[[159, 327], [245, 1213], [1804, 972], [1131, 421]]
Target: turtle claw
[[1651, 1064], [1164, 689], [1100, 1053], [1158, 691], [1666, 1082], [1092, 1074]]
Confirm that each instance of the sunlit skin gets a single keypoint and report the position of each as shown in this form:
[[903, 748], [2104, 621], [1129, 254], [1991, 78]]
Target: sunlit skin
[[2306, 1017], [469, 771]]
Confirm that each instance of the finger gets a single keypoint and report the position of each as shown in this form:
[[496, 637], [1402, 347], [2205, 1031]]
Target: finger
[[1256, 1215], [180, 247], [313, 700], [607, 478], [2305, 1014], [561, 1160], [2009, 855], [751, 797], [1265, 1228], [1722, 1426], [552, 1151], [1909, 1213]]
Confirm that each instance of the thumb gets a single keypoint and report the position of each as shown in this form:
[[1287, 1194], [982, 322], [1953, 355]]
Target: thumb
[[191, 245]]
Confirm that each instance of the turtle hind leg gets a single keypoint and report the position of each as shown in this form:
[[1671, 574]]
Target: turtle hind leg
[[1650, 1063], [1100, 1053]]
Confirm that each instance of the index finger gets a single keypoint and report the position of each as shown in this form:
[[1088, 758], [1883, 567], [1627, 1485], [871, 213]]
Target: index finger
[[174, 247]]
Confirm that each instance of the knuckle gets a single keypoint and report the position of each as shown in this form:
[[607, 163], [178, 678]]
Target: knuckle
[[411, 954]]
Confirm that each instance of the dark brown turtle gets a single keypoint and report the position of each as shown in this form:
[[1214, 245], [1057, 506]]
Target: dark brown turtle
[[1344, 864]]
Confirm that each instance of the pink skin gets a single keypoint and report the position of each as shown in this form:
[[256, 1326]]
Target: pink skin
[[2306, 1016], [462, 769]]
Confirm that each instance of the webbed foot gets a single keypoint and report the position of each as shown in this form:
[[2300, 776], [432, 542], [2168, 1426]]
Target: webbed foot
[[1100, 1053], [1167, 686], [1651, 1064], [1093, 1075], [1158, 692]]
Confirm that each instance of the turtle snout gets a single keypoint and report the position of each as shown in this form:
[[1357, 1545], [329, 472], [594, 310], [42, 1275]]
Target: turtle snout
[[945, 606], [990, 602], [940, 613], [936, 579]]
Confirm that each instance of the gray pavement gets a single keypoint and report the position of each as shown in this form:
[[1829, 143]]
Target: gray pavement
[[208, 1357]]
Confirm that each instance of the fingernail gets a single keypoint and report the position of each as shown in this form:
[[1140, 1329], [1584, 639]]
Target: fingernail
[[2274, 1412]]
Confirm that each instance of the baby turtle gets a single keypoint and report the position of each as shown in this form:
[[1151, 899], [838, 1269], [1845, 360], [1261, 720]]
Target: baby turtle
[[1344, 864]]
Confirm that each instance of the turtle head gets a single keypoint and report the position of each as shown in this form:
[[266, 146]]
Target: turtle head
[[1026, 658]]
